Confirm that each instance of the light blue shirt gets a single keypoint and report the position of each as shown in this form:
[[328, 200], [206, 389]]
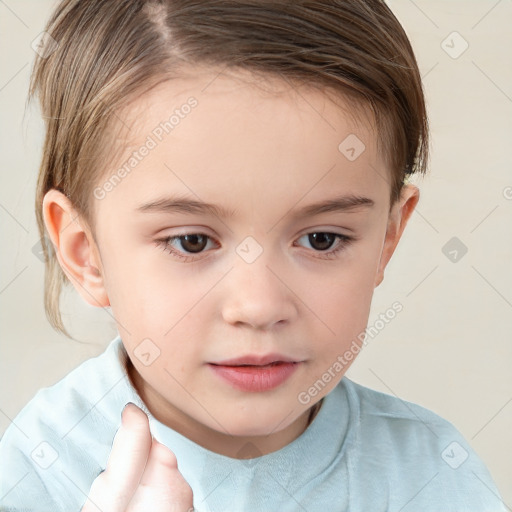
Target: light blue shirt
[[364, 451]]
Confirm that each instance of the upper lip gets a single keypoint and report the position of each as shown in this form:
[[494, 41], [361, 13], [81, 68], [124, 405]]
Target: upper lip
[[255, 360]]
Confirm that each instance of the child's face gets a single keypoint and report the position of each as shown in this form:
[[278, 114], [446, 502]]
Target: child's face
[[257, 283]]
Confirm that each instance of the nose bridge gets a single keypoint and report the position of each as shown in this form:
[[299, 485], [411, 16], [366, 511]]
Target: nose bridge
[[256, 292]]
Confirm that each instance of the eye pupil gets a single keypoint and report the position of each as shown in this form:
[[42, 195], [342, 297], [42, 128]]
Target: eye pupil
[[324, 240], [188, 242]]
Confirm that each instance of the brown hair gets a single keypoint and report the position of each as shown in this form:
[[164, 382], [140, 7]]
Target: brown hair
[[109, 53]]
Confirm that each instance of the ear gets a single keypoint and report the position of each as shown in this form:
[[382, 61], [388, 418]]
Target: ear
[[75, 248], [398, 217]]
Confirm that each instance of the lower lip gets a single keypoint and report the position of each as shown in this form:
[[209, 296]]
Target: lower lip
[[254, 378]]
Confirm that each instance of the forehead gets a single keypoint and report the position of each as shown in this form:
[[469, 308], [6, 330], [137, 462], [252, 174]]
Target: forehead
[[236, 138], [241, 94], [246, 91]]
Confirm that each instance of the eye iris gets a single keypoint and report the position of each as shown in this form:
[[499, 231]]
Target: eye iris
[[324, 240], [189, 242]]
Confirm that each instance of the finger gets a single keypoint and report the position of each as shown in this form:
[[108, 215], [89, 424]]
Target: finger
[[162, 487], [96, 500], [161, 465], [130, 449], [114, 488]]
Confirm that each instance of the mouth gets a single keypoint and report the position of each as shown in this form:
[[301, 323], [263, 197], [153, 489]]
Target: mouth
[[254, 360], [253, 377], [261, 366]]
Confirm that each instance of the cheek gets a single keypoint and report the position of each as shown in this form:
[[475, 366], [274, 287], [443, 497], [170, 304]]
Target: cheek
[[135, 296], [350, 282], [342, 300], [164, 307], [344, 306]]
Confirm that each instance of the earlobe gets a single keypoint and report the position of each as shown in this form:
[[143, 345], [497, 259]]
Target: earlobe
[[75, 248], [398, 218]]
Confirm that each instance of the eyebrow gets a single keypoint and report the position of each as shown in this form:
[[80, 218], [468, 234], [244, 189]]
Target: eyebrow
[[187, 205]]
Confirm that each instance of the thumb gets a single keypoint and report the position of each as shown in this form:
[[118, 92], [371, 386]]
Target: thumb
[[131, 447], [113, 488]]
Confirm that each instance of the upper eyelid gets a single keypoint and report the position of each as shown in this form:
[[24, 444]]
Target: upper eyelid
[[306, 231]]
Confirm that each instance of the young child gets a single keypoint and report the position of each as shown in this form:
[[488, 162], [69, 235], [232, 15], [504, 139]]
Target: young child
[[230, 179]]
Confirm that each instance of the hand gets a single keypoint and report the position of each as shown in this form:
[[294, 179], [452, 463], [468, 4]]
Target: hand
[[142, 474]]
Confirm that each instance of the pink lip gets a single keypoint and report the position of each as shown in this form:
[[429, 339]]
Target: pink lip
[[255, 378], [255, 360]]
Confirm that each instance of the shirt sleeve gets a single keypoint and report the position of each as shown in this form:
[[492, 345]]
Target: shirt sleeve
[[48, 459], [22, 487]]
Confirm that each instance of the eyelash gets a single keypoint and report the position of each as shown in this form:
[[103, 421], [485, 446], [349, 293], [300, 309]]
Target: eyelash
[[344, 241]]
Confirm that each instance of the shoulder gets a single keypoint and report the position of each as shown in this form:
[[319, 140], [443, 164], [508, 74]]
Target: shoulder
[[397, 427], [387, 410], [417, 454], [62, 437]]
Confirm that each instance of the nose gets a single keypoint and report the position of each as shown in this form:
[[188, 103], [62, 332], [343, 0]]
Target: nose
[[258, 296]]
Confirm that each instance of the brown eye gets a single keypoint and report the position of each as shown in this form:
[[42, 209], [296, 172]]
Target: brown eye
[[321, 241], [193, 243], [186, 247]]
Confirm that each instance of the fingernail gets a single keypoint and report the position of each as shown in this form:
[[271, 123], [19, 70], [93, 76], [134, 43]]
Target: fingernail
[[124, 408], [127, 404]]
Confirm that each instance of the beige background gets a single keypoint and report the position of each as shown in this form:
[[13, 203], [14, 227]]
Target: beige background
[[450, 349]]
